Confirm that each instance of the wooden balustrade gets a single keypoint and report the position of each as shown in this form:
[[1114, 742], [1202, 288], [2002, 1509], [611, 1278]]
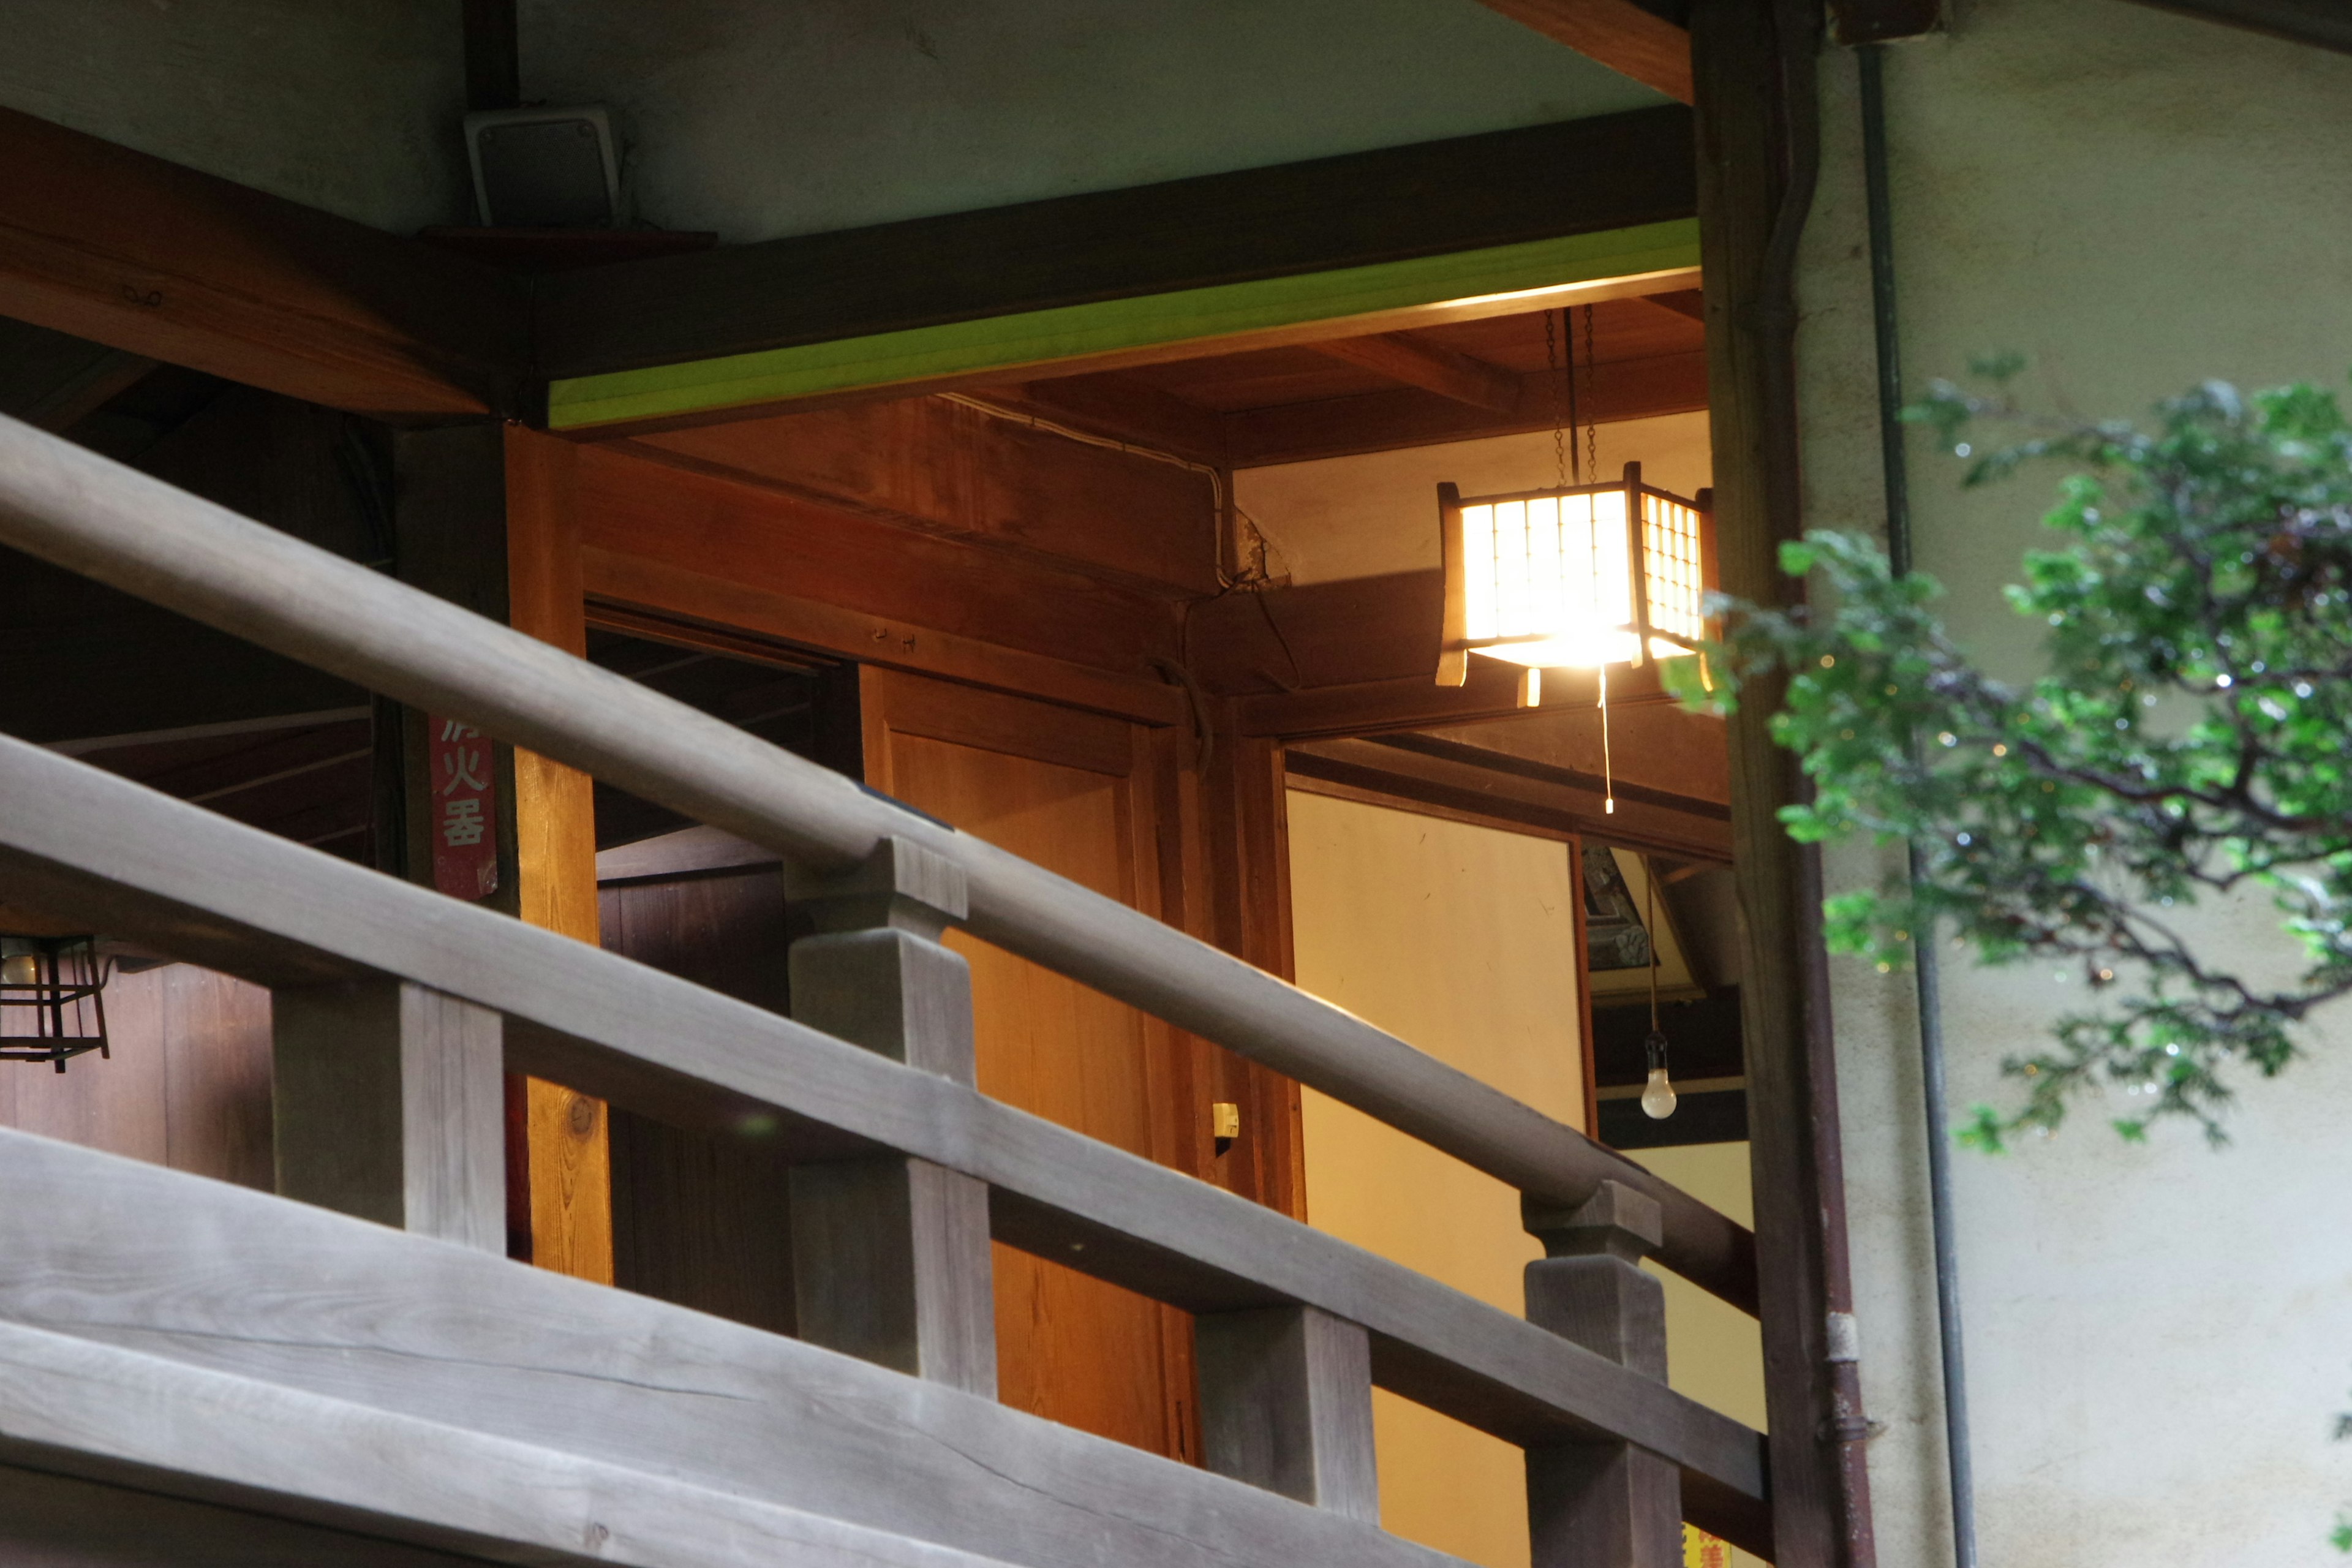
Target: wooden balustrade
[[396, 1010], [81, 511]]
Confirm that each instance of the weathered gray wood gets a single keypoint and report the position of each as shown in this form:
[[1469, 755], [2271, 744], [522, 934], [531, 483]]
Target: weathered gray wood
[[890, 1264], [297, 1466], [79, 511], [890, 1255], [261, 907], [229, 1281], [1602, 1502], [389, 1105], [1286, 1404]]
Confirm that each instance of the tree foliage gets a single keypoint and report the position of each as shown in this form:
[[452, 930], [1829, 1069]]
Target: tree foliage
[[2192, 737]]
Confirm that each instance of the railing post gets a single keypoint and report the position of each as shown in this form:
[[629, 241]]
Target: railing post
[[890, 1255], [1602, 1505], [390, 1103], [1286, 1404]]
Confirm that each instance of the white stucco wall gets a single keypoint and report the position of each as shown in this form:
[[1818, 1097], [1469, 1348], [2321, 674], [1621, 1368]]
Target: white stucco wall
[[2158, 1337], [349, 106], [759, 120]]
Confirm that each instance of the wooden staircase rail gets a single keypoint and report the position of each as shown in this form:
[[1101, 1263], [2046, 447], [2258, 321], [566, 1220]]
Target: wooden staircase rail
[[82, 512], [79, 842]]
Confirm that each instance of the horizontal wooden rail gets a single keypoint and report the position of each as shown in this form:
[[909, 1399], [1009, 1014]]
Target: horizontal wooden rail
[[232, 1346], [232, 1450], [81, 511], [84, 844]]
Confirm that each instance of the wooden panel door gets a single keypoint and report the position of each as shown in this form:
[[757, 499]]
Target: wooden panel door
[[1073, 792]]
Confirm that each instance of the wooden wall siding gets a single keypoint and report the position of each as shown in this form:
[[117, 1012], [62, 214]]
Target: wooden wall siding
[[701, 1217], [671, 539], [146, 256], [930, 464], [1073, 792], [187, 1085]]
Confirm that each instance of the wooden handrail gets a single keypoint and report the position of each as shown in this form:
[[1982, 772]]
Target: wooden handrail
[[88, 845], [79, 511]]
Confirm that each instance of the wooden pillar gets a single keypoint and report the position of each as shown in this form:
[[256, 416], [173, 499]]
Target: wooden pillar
[[1752, 63], [1602, 1502], [388, 1104], [569, 1164], [1248, 880], [1286, 1404], [483, 517], [890, 1255]]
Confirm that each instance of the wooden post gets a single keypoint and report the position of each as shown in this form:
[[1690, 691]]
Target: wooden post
[[569, 1136], [890, 1255], [485, 517], [1602, 1502], [389, 1105], [1753, 63], [1286, 1404]]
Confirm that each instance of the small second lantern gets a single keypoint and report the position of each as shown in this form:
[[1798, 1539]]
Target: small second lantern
[[1580, 577]]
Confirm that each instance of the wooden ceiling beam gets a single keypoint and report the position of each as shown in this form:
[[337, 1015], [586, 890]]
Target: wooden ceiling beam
[[165, 263], [1630, 39], [1690, 304], [1431, 367], [1430, 199], [1381, 421]]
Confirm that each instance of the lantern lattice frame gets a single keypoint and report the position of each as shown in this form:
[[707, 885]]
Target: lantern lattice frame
[[65, 996], [1660, 546]]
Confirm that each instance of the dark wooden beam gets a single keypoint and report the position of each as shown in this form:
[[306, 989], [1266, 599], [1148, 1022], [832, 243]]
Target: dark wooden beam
[[1380, 421], [1759, 155], [1432, 367], [1431, 199], [1630, 39], [1480, 783], [161, 261], [1690, 304], [2326, 23]]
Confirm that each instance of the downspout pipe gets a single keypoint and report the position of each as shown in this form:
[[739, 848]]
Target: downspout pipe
[[1927, 964]]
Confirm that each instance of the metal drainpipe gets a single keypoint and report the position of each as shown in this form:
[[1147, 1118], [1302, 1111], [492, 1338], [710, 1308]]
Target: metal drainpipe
[[1925, 962]]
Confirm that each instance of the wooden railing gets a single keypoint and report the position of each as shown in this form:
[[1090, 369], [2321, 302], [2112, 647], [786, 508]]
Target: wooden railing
[[396, 1009]]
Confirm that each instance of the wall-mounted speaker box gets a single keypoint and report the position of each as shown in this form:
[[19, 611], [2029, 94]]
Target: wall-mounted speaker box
[[544, 168]]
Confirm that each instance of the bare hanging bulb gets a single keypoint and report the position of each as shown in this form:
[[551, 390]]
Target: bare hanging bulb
[[1658, 1096]]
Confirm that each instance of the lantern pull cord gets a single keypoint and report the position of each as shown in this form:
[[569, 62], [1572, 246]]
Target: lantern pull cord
[[1650, 892], [1608, 775]]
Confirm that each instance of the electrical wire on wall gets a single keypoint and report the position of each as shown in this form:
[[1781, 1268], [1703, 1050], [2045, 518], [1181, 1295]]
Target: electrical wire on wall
[[1925, 965]]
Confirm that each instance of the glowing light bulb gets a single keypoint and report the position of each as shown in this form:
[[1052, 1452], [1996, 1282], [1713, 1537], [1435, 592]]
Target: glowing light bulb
[[20, 968], [1658, 1096]]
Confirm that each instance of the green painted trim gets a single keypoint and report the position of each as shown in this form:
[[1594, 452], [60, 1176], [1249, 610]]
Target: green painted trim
[[1072, 331]]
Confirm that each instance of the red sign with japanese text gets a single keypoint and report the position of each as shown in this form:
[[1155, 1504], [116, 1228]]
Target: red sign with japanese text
[[464, 810]]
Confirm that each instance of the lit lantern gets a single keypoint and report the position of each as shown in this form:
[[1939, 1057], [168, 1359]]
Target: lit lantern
[[1581, 577], [51, 1002]]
